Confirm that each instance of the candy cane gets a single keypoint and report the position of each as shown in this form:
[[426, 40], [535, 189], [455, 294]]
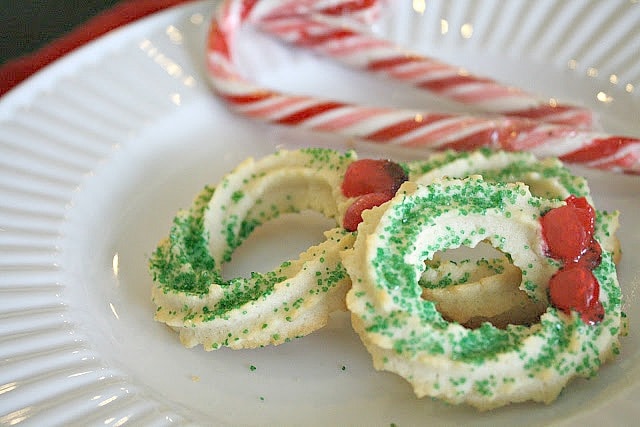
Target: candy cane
[[322, 34], [409, 128]]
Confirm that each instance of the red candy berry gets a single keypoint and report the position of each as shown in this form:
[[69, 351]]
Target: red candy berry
[[585, 212], [373, 182], [372, 176], [574, 288], [568, 232], [564, 232], [353, 215]]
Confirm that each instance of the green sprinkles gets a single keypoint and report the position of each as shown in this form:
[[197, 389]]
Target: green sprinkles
[[185, 264], [408, 232], [188, 263]]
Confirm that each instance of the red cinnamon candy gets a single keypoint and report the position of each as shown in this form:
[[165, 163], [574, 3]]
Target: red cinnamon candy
[[373, 182], [568, 233]]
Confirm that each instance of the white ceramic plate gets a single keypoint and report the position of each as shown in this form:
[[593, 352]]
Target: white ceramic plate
[[98, 151]]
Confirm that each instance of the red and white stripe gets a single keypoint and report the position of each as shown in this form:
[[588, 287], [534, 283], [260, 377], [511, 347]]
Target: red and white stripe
[[327, 36], [321, 25]]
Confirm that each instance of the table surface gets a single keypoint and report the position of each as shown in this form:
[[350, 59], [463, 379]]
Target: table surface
[[29, 24]]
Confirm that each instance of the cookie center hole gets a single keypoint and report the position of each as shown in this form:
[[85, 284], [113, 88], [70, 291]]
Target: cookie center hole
[[476, 285], [278, 240]]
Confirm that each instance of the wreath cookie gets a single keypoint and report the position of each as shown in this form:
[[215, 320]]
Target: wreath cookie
[[486, 367], [190, 292]]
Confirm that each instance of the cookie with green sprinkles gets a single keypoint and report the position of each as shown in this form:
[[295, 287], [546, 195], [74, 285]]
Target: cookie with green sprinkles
[[192, 296], [473, 280], [486, 366]]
